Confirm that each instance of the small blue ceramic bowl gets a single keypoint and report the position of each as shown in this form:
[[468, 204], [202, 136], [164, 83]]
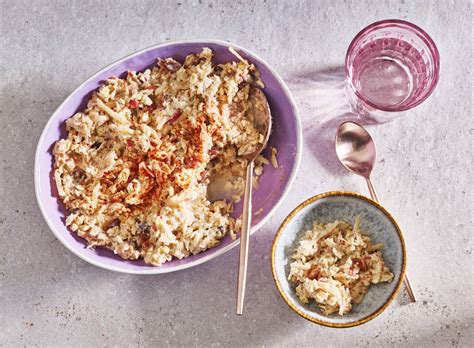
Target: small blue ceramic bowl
[[376, 222]]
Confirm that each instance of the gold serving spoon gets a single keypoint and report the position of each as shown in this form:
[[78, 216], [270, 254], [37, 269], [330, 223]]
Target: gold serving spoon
[[355, 149], [220, 186], [259, 114]]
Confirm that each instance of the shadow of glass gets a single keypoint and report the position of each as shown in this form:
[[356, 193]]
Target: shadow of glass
[[320, 95], [323, 104]]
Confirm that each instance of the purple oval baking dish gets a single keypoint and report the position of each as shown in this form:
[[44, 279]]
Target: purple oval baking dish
[[274, 184]]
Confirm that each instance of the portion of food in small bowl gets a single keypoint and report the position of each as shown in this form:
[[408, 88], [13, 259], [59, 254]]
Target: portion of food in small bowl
[[334, 265], [338, 259]]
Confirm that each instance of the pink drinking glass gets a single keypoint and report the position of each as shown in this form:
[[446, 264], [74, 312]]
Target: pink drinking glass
[[391, 66]]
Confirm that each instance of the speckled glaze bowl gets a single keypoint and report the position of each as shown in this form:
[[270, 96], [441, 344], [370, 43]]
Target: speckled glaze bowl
[[274, 183], [325, 208]]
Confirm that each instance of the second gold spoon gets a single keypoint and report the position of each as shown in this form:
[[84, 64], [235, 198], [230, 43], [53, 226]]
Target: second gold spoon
[[355, 149]]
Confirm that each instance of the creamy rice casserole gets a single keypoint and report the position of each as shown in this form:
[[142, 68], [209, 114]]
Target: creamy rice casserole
[[334, 265], [134, 168]]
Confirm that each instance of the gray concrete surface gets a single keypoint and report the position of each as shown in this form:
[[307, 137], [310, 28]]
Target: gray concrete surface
[[49, 297]]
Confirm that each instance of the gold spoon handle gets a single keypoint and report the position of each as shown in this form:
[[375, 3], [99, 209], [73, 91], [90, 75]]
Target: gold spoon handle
[[374, 196], [244, 238], [411, 295], [372, 191]]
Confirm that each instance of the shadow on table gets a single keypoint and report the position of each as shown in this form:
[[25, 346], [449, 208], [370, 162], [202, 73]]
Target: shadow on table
[[321, 99]]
